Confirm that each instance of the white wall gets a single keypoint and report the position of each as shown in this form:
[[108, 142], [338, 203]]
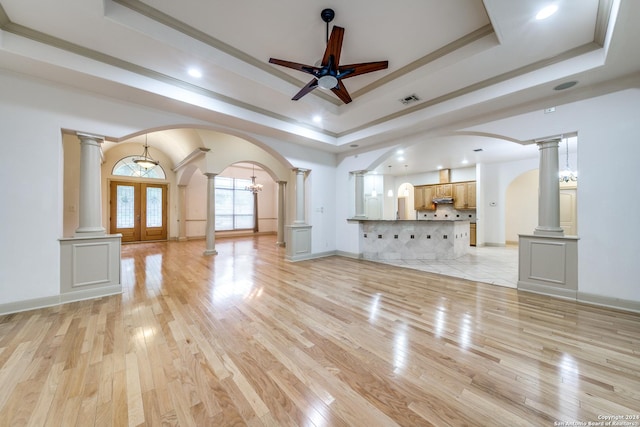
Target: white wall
[[492, 208], [30, 221], [196, 206], [521, 206], [608, 153]]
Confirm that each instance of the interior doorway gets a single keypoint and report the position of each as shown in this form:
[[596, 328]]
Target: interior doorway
[[568, 211], [138, 211]]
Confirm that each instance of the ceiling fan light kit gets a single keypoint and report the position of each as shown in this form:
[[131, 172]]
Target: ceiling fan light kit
[[329, 74]]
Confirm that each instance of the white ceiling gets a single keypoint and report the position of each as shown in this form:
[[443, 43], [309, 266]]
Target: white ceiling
[[467, 61]]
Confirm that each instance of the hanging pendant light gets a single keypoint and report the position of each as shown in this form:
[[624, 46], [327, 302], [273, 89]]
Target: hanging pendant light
[[146, 161], [253, 187], [567, 174]]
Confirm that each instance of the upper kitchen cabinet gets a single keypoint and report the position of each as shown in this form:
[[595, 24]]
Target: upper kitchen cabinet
[[464, 195], [423, 198], [444, 190]]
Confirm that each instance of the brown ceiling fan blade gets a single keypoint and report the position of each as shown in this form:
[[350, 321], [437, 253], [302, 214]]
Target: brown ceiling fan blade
[[363, 68], [310, 69], [305, 90], [342, 93], [334, 46]]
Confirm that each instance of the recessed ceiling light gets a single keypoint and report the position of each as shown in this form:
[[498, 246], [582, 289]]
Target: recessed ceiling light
[[566, 85], [439, 167], [401, 159], [194, 72], [477, 150], [317, 119], [354, 145], [465, 161], [400, 151], [546, 12]]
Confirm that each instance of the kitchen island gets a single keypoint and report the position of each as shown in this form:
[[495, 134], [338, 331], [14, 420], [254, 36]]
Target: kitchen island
[[413, 239]]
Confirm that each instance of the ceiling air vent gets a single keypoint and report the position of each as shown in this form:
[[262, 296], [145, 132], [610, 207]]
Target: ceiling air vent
[[409, 99]]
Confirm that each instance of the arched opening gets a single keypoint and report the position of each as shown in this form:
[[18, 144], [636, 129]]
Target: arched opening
[[238, 210]]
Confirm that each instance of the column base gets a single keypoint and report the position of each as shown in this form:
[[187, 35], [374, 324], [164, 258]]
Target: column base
[[90, 232], [549, 231], [210, 252]]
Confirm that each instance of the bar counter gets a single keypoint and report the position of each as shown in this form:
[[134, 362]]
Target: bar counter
[[413, 239]]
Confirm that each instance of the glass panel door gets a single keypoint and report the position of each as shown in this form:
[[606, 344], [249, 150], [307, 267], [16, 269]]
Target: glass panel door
[[154, 212], [138, 211], [124, 210]]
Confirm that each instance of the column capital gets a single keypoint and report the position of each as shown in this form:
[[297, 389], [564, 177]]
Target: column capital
[[360, 172], [87, 136], [281, 182], [210, 175], [301, 170], [548, 143]]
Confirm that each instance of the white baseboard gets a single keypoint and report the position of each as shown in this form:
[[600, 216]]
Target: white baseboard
[[618, 303], [51, 301]]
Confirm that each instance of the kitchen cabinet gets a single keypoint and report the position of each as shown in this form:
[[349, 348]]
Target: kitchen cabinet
[[444, 190], [464, 195], [472, 234], [423, 198]]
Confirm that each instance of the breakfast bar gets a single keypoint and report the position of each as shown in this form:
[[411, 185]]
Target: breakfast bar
[[413, 239]]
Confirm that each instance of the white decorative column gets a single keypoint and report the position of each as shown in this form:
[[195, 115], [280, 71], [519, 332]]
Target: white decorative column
[[547, 259], [298, 242], [282, 187], [549, 190], [89, 261], [300, 196], [182, 213], [90, 203], [360, 193], [211, 215]]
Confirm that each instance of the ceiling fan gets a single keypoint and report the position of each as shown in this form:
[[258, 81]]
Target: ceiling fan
[[329, 74]]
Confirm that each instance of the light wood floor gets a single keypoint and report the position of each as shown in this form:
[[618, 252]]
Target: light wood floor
[[245, 338]]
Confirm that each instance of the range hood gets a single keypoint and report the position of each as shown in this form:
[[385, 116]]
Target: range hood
[[442, 200], [445, 178]]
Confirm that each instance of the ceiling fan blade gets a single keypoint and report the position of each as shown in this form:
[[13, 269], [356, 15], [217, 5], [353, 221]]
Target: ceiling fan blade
[[341, 92], [295, 66], [334, 46], [363, 68], [305, 90]]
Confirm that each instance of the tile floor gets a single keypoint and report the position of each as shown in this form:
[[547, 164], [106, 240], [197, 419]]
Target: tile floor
[[487, 264]]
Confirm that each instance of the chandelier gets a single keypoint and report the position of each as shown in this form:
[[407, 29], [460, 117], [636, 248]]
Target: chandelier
[[567, 174], [146, 161], [253, 187]]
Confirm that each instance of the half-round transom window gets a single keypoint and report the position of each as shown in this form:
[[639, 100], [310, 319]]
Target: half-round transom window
[[127, 167]]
